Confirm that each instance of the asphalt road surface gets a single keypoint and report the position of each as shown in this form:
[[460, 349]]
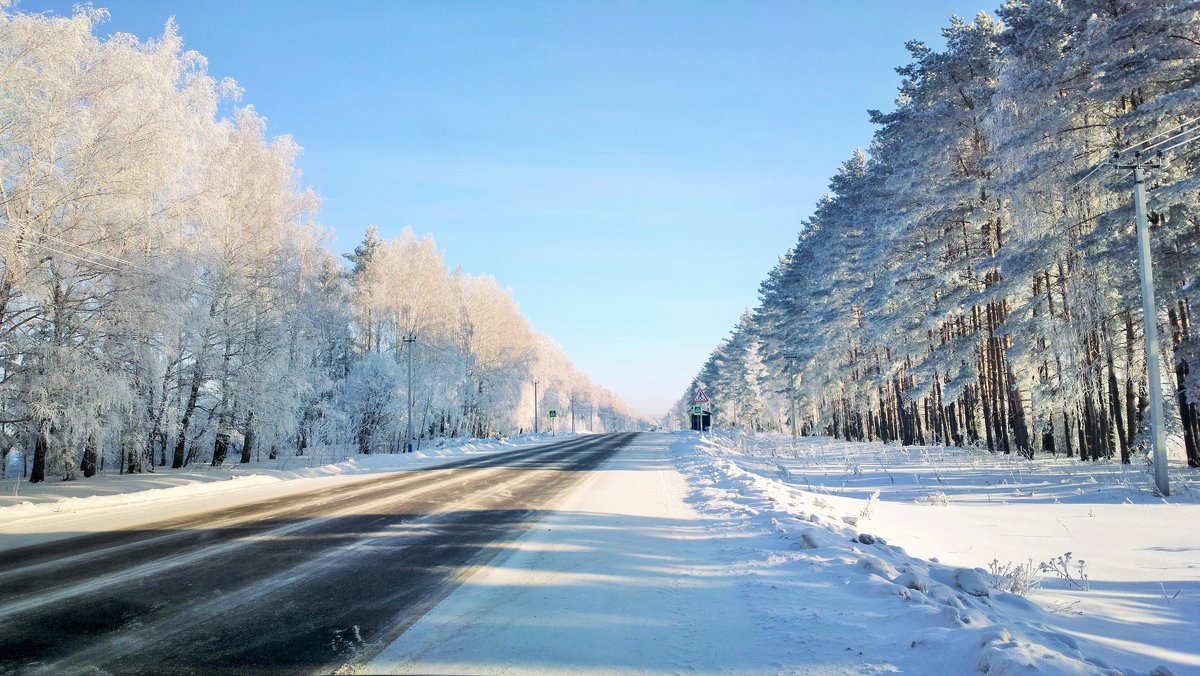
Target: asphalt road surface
[[305, 583]]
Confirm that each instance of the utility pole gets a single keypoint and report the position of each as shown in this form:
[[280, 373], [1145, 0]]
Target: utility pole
[[1182, 134], [535, 406], [1149, 321], [791, 390], [572, 414], [410, 340], [792, 396]]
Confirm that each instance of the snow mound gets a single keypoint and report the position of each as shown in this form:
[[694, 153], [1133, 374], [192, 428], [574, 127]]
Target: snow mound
[[955, 608]]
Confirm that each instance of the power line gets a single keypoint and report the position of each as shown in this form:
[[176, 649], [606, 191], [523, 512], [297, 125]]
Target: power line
[[1089, 175], [1167, 140], [1168, 149], [91, 251], [76, 257], [183, 284], [178, 282], [1170, 130], [1141, 147]]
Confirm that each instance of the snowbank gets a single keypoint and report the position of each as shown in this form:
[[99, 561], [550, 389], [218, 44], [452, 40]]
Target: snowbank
[[926, 525], [32, 513]]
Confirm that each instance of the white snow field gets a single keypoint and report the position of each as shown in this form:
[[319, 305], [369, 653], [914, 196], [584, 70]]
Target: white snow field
[[1137, 608], [746, 554]]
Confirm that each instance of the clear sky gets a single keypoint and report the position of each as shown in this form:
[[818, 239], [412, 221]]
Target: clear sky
[[632, 170]]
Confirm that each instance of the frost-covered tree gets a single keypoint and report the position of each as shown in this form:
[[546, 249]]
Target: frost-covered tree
[[166, 296], [972, 280]]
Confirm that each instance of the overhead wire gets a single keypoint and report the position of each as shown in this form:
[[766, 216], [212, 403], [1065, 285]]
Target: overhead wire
[[1192, 135], [1183, 142], [1170, 130], [1096, 168], [75, 256], [1179, 131], [178, 282], [92, 251], [1184, 132]]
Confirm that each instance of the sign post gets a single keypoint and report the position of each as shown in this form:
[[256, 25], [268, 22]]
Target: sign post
[[553, 421], [699, 399]]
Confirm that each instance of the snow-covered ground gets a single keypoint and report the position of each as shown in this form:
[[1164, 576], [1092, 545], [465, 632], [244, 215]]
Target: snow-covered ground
[[748, 554], [761, 554], [1133, 600], [33, 513]]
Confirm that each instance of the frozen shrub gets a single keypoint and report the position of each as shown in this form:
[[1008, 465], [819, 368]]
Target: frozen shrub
[[869, 506], [1073, 573], [936, 499], [1019, 579]]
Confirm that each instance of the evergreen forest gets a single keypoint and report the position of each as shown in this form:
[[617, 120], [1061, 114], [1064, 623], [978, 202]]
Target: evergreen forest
[[971, 279]]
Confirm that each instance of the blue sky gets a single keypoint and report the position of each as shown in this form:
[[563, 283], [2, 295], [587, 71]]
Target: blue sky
[[632, 170]]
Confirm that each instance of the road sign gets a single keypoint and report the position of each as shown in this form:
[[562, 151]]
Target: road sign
[[697, 409], [700, 397], [553, 413]]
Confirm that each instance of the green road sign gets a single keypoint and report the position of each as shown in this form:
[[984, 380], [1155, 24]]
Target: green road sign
[[553, 413], [697, 409]]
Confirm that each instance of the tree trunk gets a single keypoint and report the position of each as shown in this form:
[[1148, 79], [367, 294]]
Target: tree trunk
[[156, 416], [1067, 434], [1048, 438], [1117, 413], [1019, 426], [177, 459], [220, 447], [1180, 338], [88, 465], [1131, 416], [221, 443], [40, 448], [248, 445], [1186, 411]]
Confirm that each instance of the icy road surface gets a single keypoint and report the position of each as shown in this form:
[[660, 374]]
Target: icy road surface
[[307, 582]]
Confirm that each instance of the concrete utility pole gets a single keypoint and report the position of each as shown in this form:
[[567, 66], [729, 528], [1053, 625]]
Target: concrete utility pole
[[1182, 134], [535, 406], [410, 341], [1150, 322], [792, 375], [572, 415], [792, 396]]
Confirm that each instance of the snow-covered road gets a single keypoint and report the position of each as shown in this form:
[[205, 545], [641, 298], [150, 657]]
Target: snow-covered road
[[307, 582], [623, 576]]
